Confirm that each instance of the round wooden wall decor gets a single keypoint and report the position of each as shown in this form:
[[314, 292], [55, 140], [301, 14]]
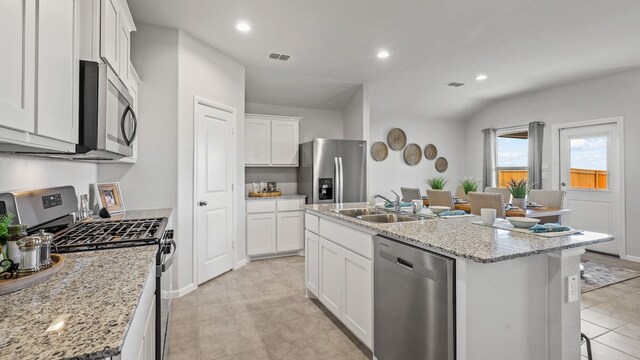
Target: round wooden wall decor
[[397, 139], [430, 152], [379, 151], [441, 165], [412, 154]]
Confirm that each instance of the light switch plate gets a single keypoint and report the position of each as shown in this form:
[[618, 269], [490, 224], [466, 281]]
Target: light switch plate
[[545, 166], [573, 288], [545, 175]]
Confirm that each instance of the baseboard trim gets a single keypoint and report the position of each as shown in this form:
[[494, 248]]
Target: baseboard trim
[[182, 292], [631, 258], [240, 264]]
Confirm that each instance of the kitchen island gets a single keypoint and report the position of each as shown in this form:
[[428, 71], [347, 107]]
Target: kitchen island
[[513, 294]]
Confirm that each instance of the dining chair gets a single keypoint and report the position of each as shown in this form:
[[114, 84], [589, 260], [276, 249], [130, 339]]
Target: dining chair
[[440, 198], [409, 194], [479, 201], [553, 199], [506, 194], [460, 193]]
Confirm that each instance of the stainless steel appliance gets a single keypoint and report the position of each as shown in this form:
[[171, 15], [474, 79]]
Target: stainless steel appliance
[[53, 209], [333, 171], [108, 123], [414, 303]]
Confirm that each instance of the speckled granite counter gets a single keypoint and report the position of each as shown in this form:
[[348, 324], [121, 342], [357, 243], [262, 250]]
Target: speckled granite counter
[[290, 196], [459, 237], [96, 294]]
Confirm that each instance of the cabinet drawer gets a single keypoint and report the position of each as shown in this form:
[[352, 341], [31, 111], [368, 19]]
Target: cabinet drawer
[[258, 206], [353, 240], [311, 223], [290, 205]]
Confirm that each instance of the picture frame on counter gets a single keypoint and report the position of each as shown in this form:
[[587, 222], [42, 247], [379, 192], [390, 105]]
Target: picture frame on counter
[[110, 197]]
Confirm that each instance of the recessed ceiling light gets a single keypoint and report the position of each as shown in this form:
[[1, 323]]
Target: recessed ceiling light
[[481, 77], [243, 27], [383, 54]]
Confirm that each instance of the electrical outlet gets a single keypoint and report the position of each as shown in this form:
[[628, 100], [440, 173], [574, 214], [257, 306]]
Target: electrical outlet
[[573, 288]]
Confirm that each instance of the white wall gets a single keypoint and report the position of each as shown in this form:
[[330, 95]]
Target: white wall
[[356, 115], [602, 97], [393, 172], [153, 181], [315, 123], [27, 172], [207, 73]]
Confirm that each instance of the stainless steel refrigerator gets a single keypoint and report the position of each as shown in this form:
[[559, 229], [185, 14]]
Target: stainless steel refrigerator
[[333, 171]]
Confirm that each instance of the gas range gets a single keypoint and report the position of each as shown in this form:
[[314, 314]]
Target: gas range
[[109, 234]]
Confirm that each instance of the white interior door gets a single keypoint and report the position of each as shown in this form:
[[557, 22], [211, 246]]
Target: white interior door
[[215, 155], [590, 173]]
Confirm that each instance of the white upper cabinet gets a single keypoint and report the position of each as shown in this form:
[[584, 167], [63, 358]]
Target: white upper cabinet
[[271, 140], [116, 25], [17, 46], [257, 145], [284, 142], [110, 33], [39, 72], [58, 70]]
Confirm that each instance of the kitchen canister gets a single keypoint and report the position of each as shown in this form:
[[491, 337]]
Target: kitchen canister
[[45, 248], [16, 232], [29, 247]]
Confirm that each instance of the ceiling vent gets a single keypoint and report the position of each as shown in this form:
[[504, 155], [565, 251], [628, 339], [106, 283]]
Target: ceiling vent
[[276, 56], [455, 84]]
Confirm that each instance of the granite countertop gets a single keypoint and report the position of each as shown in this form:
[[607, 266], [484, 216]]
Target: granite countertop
[[284, 196], [96, 294], [459, 237]]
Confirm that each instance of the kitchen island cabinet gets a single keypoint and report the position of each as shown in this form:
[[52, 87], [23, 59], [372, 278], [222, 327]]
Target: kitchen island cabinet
[[517, 295]]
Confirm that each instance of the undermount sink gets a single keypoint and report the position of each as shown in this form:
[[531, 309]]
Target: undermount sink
[[359, 212], [389, 218]]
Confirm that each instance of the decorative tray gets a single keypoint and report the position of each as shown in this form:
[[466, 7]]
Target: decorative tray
[[265, 194], [25, 280]]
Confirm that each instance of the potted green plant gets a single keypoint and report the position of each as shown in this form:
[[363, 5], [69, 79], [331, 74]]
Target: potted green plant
[[469, 184], [519, 189], [5, 221], [437, 182]]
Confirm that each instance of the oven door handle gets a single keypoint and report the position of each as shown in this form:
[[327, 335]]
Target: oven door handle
[[168, 262]]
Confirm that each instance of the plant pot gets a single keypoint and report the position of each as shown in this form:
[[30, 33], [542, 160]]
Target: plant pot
[[519, 203]]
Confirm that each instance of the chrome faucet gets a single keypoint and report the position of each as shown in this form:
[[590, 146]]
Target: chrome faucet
[[396, 203]]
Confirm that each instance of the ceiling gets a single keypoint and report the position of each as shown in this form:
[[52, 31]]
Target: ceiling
[[522, 45]]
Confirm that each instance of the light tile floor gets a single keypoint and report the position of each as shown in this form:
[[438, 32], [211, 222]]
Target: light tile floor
[[260, 312], [611, 316]]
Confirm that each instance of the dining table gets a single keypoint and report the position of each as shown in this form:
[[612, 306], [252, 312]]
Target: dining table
[[532, 212]]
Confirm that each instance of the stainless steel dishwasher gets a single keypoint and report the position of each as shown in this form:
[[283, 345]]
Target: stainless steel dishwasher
[[414, 303]]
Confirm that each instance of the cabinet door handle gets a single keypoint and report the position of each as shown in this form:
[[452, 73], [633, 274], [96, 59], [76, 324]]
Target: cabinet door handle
[[203, 203]]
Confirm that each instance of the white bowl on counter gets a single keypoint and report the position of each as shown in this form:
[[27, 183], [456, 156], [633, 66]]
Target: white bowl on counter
[[438, 209], [522, 222]]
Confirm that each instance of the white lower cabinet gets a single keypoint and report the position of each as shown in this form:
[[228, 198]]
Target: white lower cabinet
[[357, 296], [331, 276], [344, 282], [274, 226], [141, 336], [311, 248], [261, 234], [290, 227]]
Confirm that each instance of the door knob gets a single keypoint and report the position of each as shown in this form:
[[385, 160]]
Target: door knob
[[202, 203]]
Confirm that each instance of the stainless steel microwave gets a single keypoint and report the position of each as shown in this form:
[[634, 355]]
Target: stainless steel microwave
[[108, 123]]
